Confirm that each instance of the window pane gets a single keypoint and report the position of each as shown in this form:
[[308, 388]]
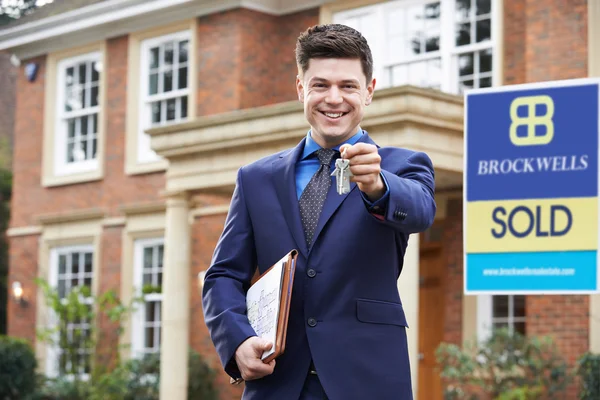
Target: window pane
[[70, 76], [500, 306], [483, 30], [75, 263], [159, 283], [87, 282], [61, 288], [485, 60], [70, 152], [183, 78], [84, 100], [171, 107], [147, 280], [432, 43], [62, 264], [485, 82], [483, 7], [82, 73], [154, 57], [432, 15], [147, 257], [84, 125], [153, 84], [88, 262], [168, 60], [95, 72], [156, 109], [149, 342], [184, 108], [519, 306], [167, 81], [463, 34], [465, 64], [415, 43], [463, 9], [94, 96], [520, 327], [150, 311], [94, 148], [71, 128], [183, 51]]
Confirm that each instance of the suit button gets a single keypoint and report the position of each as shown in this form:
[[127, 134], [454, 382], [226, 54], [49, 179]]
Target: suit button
[[311, 273], [312, 322]]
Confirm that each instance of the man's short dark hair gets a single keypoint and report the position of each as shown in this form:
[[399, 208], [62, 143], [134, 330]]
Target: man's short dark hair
[[333, 41]]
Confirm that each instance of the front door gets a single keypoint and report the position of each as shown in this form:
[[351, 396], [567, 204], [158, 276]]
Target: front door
[[431, 315]]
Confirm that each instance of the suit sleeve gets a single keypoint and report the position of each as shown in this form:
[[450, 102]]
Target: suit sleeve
[[411, 205], [227, 280]]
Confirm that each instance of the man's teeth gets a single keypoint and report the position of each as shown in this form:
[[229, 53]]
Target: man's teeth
[[334, 115]]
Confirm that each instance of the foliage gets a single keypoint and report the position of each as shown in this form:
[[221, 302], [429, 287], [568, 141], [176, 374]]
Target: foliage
[[13, 9], [508, 364], [17, 369], [5, 194], [135, 379], [588, 370]]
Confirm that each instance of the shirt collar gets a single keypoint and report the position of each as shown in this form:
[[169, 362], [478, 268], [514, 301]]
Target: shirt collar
[[310, 146]]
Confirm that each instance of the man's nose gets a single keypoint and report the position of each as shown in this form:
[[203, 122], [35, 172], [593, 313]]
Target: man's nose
[[334, 96]]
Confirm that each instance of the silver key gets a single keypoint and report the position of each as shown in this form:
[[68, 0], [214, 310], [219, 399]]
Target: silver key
[[342, 175]]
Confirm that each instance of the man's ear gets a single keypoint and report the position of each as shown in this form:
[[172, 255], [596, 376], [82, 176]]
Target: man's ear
[[370, 91], [300, 88]]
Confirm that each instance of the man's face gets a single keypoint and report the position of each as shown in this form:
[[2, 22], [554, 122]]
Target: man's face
[[334, 92]]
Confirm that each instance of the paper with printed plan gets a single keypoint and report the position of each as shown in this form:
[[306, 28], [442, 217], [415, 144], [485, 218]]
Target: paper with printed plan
[[263, 302]]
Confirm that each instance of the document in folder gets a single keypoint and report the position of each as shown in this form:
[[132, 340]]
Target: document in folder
[[268, 303]]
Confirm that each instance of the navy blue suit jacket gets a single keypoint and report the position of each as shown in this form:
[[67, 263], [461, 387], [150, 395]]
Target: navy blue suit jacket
[[359, 342]]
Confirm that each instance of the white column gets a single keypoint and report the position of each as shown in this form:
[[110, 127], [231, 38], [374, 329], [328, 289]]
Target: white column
[[176, 301], [595, 323], [408, 286]]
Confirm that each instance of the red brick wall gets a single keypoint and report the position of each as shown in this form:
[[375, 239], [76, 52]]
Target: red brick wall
[[23, 252], [205, 234], [246, 59], [514, 42], [556, 39], [453, 251]]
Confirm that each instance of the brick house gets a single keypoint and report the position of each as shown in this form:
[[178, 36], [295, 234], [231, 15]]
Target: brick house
[[129, 137]]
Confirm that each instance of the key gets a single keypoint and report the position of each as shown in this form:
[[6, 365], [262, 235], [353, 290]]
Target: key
[[342, 175]]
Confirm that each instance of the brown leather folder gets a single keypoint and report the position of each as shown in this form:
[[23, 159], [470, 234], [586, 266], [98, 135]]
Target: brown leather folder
[[285, 299], [287, 283]]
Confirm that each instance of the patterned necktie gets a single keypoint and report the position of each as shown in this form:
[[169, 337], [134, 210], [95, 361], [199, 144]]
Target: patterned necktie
[[313, 196]]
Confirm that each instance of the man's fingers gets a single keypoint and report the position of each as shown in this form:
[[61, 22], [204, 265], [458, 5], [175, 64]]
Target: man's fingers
[[258, 369], [367, 169], [370, 158], [348, 151]]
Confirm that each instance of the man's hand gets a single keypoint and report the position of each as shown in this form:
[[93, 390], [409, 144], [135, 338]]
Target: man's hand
[[365, 165], [247, 357]]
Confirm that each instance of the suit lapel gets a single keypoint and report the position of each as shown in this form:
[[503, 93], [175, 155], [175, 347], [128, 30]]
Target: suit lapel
[[333, 199], [284, 175]]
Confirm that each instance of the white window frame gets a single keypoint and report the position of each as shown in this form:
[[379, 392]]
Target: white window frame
[[144, 153], [448, 53], [52, 352], [138, 338], [61, 166], [486, 319]]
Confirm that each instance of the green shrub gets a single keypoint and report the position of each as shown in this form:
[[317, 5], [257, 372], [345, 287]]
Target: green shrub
[[505, 364], [588, 369], [136, 379], [17, 369]]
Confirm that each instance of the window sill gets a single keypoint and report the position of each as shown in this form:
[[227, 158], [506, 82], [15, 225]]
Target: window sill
[[55, 180], [146, 168]]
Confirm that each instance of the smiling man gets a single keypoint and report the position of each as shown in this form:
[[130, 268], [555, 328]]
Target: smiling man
[[347, 329]]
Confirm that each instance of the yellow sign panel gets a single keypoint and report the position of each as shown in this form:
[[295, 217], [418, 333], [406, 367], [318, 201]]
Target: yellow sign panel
[[532, 225]]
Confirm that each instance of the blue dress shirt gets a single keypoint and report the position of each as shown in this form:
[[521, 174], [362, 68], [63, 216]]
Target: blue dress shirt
[[306, 167]]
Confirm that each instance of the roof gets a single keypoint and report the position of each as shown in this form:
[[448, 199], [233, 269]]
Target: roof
[[49, 10]]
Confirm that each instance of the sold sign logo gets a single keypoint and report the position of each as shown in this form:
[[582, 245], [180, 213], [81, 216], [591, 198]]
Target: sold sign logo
[[531, 120]]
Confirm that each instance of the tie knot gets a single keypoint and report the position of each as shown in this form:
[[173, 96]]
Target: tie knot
[[326, 155]]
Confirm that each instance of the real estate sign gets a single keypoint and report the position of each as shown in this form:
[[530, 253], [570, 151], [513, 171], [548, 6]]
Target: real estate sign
[[531, 189]]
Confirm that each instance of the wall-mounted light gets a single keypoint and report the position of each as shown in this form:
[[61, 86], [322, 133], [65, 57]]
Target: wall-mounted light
[[31, 70], [17, 292]]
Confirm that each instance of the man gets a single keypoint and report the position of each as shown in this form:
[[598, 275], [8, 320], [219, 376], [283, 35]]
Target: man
[[346, 332]]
